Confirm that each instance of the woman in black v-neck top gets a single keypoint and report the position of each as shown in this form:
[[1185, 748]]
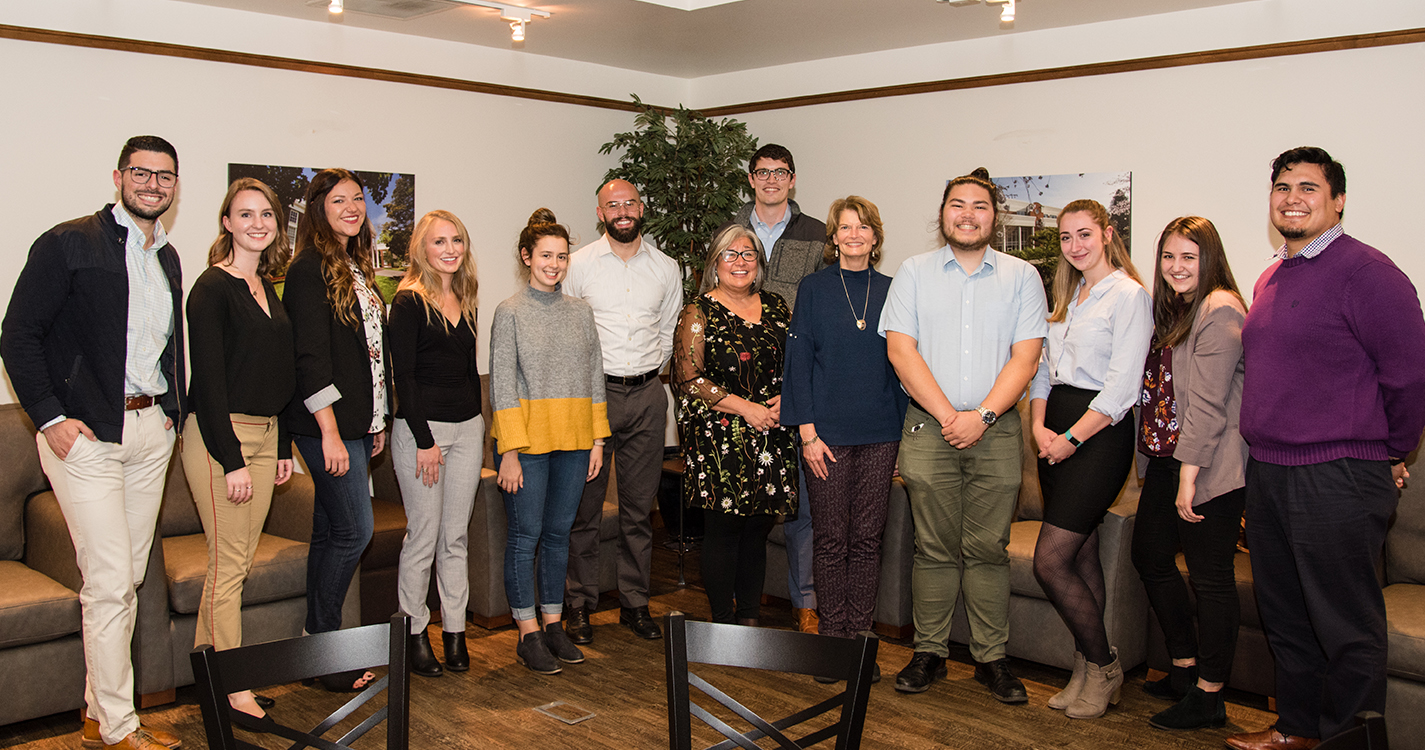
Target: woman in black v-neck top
[[438, 438], [235, 446]]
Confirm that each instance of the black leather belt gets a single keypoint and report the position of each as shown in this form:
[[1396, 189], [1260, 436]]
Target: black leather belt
[[635, 380], [917, 405]]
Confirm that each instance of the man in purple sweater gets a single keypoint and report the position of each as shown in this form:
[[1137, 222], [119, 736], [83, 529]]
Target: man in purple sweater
[[1334, 399]]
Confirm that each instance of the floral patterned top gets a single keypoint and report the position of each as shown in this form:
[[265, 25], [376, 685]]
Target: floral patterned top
[[1158, 424], [372, 318], [729, 466]]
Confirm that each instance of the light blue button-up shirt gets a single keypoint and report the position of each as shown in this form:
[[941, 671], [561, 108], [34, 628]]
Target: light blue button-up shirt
[[770, 233], [964, 325], [1100, 345], [150, 309]]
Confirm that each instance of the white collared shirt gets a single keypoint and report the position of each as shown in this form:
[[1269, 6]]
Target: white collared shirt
[[1100, 345], [150, 322], [636, 303]]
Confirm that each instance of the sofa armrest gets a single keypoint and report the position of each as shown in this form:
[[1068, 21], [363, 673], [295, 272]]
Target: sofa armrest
[[48, 548], [291, 513], [1126, 611]]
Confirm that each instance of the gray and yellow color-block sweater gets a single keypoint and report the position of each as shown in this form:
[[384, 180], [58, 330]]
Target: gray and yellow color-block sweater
[[546, 374]]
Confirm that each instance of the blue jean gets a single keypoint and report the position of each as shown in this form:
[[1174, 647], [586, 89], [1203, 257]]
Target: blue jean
[[800, 584], [341, 528], [540, 515]]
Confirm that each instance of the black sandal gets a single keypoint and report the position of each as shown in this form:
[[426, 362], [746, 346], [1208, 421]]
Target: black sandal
[[345, 682], [263, 702]]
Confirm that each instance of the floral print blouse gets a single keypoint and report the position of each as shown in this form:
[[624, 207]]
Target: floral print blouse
[[1158, 425], [729, 466]]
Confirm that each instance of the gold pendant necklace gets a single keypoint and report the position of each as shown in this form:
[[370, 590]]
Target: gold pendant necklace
[[860, 319]]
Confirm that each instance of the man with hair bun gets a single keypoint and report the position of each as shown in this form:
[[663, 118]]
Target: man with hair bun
[[1331, 405], [93, 342], [964, 326]]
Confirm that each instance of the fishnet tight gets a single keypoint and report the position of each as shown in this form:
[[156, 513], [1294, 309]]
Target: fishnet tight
[[1067, 567]]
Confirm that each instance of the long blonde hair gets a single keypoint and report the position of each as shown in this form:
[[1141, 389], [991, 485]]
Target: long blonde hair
[[315, 234], [422, 279], [1067, 278]]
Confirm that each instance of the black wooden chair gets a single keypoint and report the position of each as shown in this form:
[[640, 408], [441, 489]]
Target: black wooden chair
[[1368, 734], [762, 648], [219, 673]]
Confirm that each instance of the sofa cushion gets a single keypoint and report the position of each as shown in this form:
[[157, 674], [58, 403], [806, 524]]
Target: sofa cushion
[[34, 608], [1023, 535], [279, 571], [178, 516], [21, 478], [1405, 630], [387, 537]]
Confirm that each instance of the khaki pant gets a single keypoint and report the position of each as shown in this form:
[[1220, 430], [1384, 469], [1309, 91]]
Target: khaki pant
[[962, 503], [110, 494], [232, 529]]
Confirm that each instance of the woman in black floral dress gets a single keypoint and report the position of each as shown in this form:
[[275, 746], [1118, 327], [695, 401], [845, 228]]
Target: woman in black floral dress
[[741, 463]]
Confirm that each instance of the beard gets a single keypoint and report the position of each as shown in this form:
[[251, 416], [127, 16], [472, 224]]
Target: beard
[[132, 205], [979, 243], [1291, 233], [625, 235]]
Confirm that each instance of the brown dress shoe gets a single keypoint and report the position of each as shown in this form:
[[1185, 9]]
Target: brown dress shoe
[[90, 736], [139, 740], [1270, 739], [807, 621]]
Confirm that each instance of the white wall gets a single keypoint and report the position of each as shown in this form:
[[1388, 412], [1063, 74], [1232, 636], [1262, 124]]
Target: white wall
[[491, 160], [1199, 140]]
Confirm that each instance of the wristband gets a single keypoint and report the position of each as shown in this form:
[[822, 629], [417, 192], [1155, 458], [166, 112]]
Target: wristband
[[1069, 436], [811, 440], [1396, 461], [599, 443]]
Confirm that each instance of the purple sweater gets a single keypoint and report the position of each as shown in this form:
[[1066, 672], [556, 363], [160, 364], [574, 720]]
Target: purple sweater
[[1335, 359]]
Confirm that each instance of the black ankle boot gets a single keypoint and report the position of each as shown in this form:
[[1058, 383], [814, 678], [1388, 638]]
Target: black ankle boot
[[423, 660], [457, 659], [1175, 686], [1199, 709]]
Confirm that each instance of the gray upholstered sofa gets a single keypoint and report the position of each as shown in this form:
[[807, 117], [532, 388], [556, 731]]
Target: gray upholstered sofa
[[1035, 631]]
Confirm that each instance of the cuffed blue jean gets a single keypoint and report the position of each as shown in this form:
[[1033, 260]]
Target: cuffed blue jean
[[539, 516], [341, 528]]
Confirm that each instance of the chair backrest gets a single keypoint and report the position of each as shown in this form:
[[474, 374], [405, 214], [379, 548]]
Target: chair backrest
[[1368, 734], [219, 673], [761, 648]]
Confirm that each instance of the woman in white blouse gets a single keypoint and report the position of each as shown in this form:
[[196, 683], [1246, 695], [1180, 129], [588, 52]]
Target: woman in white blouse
[[1087, 382]]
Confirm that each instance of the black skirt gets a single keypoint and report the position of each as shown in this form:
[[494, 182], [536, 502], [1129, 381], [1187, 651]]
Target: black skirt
[[1079, 489]]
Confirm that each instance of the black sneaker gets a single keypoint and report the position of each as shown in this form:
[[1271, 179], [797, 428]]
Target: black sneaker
[[640, 622], [559, 644], [923, 669], [577, 627], [534, 653], [1005, 687]]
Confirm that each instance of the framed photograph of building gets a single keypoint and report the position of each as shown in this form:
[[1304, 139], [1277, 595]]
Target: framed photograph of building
[[1032, 204]]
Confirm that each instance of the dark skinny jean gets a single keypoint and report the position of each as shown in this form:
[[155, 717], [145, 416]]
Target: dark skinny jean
[[734, 563], [1210, 548]]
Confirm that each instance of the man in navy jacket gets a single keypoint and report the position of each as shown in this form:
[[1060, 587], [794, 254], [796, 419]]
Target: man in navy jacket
[[93, 343]]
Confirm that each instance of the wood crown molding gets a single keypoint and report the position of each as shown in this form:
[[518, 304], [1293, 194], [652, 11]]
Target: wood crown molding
[[1233, 54]]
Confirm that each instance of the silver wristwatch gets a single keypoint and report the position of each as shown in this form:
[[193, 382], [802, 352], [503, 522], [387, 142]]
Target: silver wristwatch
[[986, 415]]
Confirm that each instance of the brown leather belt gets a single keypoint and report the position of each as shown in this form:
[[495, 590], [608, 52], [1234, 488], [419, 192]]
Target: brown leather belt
[[630, 382], [138, 402]]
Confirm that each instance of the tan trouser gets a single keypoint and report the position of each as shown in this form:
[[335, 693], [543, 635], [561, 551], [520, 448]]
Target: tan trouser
[[232, 529], [110, 494]]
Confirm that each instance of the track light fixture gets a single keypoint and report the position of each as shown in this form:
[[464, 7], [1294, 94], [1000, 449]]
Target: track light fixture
[[1006, 13], [336, 7], [518, 17]]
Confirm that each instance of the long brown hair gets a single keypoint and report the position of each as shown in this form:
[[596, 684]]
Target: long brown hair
[[315, 234], [275, 254], [422, 279], [1067, 278], [1173, 317]]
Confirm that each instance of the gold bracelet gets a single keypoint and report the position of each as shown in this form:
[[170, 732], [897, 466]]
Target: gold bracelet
[[813, 439]]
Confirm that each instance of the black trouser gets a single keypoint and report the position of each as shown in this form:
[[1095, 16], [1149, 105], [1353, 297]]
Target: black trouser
[[734, 563], [1316, 533], [1209, 546]]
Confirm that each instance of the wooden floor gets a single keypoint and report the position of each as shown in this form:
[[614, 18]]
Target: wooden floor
[[492, 705]]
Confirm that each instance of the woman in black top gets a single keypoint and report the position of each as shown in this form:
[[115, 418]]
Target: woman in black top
[[338, 419], [438, 424], [235, 448]]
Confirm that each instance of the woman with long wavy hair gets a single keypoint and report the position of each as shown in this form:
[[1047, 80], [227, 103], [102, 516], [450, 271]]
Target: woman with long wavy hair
[[1087, 382], [235, 445], [438, 439], [338, 419]]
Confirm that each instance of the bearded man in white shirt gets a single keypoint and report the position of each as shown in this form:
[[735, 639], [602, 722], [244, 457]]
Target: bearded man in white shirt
[[636, 292]]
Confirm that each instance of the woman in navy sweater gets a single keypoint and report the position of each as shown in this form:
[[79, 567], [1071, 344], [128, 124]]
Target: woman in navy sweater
[[843, 393]]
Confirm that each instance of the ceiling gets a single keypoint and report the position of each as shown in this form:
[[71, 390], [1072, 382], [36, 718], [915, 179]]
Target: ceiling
[[659, 36]]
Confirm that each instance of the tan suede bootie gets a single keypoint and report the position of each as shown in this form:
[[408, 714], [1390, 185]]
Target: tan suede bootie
[[1066, 697], [1101, 687]]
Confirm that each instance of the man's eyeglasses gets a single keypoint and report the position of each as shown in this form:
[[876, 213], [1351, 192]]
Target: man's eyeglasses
[[141, 176], [778, 174], [731, 256], [627, 205]]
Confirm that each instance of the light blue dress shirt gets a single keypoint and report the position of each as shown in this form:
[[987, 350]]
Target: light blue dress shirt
[[770, 233], [965, 324], [150, 309], [1100, 345]]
